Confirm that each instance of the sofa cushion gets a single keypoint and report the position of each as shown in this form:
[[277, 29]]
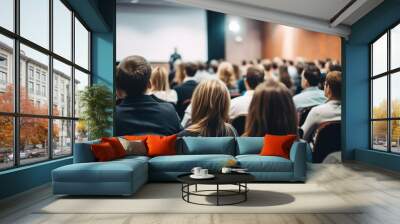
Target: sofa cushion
[[206, 145], [257, 163], [249, 145], [185, 163]]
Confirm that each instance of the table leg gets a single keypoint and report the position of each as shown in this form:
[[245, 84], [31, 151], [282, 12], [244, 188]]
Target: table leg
[[196, 187], [217, 194]]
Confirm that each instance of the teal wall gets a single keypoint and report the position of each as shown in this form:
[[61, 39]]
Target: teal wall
[[99, 15], [356, 92]]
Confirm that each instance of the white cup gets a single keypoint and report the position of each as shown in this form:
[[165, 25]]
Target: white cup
[[196, 171], [203, 172], [226, 170]]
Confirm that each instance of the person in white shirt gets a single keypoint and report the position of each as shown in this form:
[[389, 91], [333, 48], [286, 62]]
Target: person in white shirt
[[240, 105], [160, 86], [329, 111], [311, 94], [202, 73]]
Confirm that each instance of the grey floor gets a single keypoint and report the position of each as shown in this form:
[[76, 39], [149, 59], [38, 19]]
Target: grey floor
[[377, 188]]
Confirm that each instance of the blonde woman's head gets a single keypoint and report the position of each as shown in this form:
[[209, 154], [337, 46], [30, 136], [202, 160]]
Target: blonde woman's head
[[159, 79], [226, 74], [210, 109]]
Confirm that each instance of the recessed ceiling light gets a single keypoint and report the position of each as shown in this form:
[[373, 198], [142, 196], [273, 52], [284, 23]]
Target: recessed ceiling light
[[234, 26]]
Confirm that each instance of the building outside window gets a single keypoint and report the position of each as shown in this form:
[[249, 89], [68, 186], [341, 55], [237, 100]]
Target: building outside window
[[59, 127]]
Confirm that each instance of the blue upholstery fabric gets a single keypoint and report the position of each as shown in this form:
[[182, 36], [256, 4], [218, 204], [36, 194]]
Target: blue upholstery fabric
[[249, 145], [83, 152], [185, 163], [298, 157], [206, 145], [257, 163]]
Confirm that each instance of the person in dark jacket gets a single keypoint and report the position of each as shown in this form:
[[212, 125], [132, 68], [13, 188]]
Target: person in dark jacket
[[186, 89], [139, 113]]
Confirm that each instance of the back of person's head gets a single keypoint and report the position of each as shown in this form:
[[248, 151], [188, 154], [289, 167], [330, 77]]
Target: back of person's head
[[180, 73], [312, 75], [133, 75], [159, 79], [254, 76], [244, 62], [210, 108], [190, 69], [226, 74], [284, 76], [333, 84], [272, 111], [335, 67], [201, 66], [236, 71], [267, 66], [274, 66]]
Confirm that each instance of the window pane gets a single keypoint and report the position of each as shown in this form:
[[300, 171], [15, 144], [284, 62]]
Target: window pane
[[7, 14], [81, 131], [395, 132], [395, 47], [62, 29], [379, 135], [379, 97], [62, 89], [379, 55], [6, 142], [62, 138], [81, 45], [6, 74], [81, 81], [395, 94], [34, 72], [35, 21], [33, 139]]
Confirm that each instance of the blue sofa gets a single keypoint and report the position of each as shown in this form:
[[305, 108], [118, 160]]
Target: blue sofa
[[125, 176]]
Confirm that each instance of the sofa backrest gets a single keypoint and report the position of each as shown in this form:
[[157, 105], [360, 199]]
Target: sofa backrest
[[249, 145], [83, 152], [206, 145]]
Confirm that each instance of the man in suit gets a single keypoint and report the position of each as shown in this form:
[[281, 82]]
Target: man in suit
[[186, 89], [139, 113]]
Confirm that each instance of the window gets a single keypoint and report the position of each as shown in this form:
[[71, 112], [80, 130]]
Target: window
[[41, 123], [385, 94]]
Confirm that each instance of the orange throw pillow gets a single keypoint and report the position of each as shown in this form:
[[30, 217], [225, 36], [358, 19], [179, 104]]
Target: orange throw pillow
[[161, 145], [135, 137], [103, 152], [278, 145], [116, 145]]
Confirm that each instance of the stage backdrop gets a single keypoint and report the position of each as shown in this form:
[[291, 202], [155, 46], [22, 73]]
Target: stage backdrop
[[153, 31]]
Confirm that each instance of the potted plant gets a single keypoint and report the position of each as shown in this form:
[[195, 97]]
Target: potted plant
[[96, 104]]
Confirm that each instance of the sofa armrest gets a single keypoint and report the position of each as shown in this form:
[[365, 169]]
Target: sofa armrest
[[298, 157], [83, 152]]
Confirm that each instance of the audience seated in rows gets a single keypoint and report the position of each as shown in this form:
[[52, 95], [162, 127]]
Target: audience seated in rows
[[186, 88], [272, 111], [329, 111], [210, 108], [226, 74], [160, 86], [311, 94], [240, 105], [138, 112], [202, 73]]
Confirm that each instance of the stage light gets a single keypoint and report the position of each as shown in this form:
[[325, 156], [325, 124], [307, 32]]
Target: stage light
[[234, 26]]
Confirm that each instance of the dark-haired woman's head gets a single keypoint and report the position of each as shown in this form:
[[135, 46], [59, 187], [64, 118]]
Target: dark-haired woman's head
[[271, 111]]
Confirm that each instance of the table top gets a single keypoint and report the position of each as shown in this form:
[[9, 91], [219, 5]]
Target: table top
[[220, 178]]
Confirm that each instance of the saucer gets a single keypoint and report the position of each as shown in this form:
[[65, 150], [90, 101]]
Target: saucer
[[208, 176]]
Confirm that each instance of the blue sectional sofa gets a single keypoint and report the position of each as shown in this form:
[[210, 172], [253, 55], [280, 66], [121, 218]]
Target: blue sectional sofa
[[125, 176]]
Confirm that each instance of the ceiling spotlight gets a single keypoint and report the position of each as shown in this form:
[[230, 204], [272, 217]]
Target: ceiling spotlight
[[234, 26]]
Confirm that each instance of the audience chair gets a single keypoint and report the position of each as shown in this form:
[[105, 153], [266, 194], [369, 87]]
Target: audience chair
[[303, 113], [327, 139], [239, 123]]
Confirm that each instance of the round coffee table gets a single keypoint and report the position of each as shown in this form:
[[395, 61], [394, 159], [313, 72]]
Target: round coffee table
[[238, 179]]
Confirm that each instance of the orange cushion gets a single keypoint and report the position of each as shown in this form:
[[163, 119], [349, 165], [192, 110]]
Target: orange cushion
[[103, 152], [135, 137], [116, 145], [161, 145], [278, 145]]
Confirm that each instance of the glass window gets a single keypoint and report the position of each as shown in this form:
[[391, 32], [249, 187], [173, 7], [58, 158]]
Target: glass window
[[379, 98], [395, 95], [81, 131], [34, 21], [62, 29], [62, 72], [33, 138], [379, 133], [6, 142], [6, 73], [81, 45], [40, 62], [395, 136], [379, 56], [7, 14], [62, 137], [395, 47], [81, 82]]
